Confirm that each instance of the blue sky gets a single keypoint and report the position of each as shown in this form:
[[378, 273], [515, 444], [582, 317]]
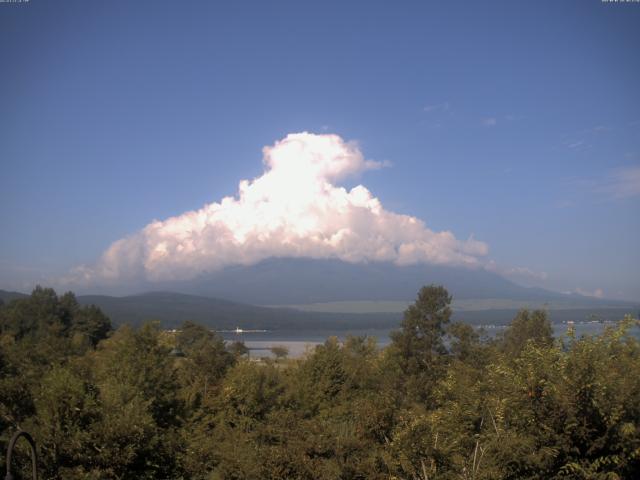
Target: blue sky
[[515, 122]]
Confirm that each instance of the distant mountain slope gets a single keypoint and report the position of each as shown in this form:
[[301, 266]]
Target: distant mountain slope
[[171, 309], [7, 296], [479, 297], [304, 281]]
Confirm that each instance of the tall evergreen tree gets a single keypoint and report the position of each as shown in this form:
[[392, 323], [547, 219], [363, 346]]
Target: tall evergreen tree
[[419, 344]]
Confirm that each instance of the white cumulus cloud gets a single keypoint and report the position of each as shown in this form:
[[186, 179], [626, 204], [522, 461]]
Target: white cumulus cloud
[[296, 208]]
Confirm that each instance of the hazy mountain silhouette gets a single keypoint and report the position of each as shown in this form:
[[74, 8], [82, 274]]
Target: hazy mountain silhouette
[[288, 281], [306, 281], [171, 309]]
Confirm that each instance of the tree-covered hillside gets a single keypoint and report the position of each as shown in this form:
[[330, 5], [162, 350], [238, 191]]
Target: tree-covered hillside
[[441, 402]]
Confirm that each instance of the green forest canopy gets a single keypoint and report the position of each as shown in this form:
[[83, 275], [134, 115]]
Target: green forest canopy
[[440, 402]]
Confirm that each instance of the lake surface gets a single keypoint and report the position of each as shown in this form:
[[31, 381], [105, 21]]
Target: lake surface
[[298, 342]]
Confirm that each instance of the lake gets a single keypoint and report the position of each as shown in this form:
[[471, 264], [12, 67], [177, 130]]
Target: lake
[[299, 341]]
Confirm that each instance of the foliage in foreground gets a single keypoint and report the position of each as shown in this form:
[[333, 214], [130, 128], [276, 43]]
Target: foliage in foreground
[[440, 402]]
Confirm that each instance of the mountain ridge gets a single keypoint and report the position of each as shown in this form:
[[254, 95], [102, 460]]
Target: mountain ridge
[[171, 309], [289, 281]]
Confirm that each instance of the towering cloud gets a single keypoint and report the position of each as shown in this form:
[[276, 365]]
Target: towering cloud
[[294, 209]]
